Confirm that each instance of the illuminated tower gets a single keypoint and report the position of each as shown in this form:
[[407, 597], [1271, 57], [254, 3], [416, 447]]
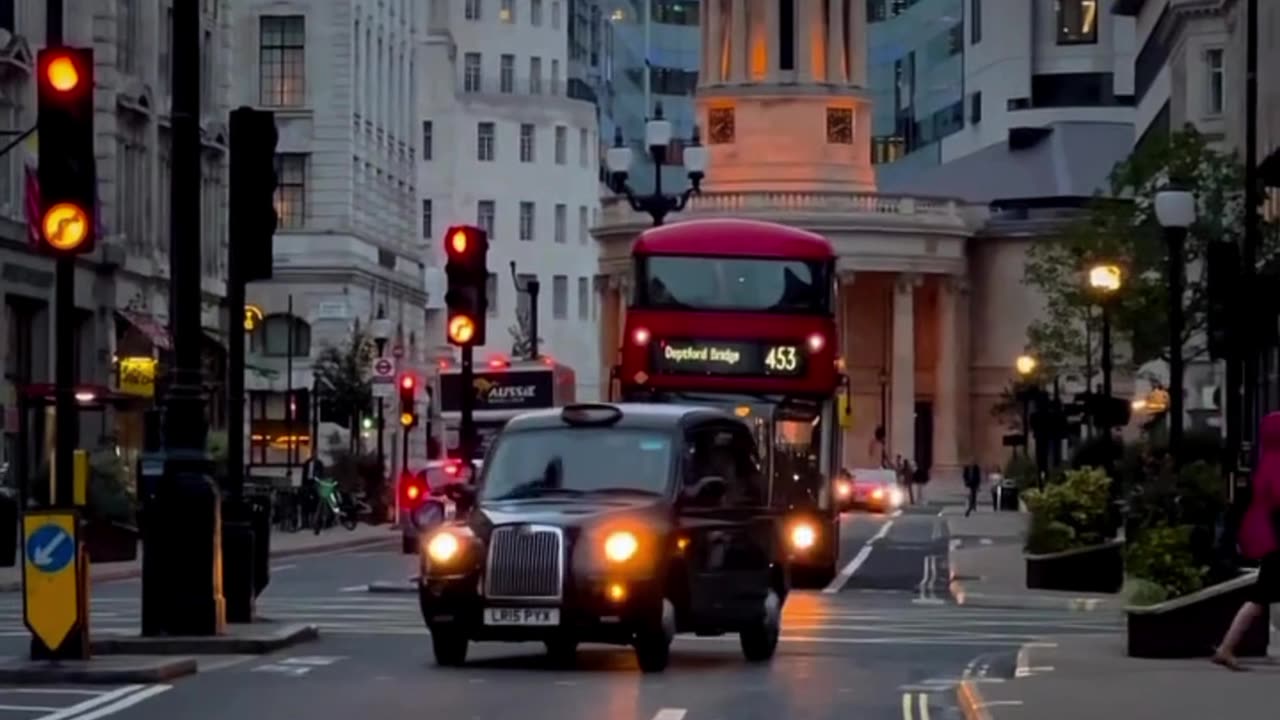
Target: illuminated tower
[[781, 95]]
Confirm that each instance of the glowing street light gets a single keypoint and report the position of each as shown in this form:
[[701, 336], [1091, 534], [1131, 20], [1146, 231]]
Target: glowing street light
[[1105, 278], [1025, 365]]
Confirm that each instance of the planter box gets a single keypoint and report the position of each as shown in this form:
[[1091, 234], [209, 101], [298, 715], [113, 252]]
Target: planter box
[[1096, 569], [110, 542], [1192, 626]]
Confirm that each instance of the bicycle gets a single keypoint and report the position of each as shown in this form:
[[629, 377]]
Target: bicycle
[[333, 504]]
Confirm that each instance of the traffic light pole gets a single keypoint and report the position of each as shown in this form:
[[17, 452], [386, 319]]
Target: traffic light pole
[[467, 428]]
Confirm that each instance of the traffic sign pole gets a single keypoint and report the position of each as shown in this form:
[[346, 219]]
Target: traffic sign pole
[[55, 599]]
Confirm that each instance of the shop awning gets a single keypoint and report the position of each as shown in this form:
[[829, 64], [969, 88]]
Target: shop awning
[[149, 327]]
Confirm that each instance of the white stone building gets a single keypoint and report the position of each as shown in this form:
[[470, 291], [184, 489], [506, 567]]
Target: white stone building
[[340, 78], [505, 148], [122, 289]]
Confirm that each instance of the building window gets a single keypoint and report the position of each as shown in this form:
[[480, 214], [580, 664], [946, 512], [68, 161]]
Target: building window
[[582, 147], [562, 212], [584, 227], [535, 13], [471, 73], [526, 221], [559, 297], [720, 124], [485, 212], [484, 142], [555, 14], [535, 76], [561, 141], [1217, 90], [528, 138], [291, 190], [282, 336], [282, 62], [975, 21], [507, 74], [584, 299], [840, 126], [491, 294], [427, 141], [1077, 22], [473, 9], [427, 220], [555, 77]]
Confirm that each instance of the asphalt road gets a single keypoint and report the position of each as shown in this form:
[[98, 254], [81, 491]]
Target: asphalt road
[[883, 641]]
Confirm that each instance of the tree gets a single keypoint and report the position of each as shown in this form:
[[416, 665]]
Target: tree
[[1120, 227], [342, 375]]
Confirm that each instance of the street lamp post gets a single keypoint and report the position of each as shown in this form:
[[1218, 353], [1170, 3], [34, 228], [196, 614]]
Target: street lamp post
[[1176, 212], [1026, 366], [657, 138], [380, 329], [1105, 280]]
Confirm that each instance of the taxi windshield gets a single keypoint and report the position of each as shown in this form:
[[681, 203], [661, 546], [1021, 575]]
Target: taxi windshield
[[577, 461]]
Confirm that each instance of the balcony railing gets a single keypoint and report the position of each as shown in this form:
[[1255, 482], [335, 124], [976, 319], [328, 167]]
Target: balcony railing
[[929, 210]]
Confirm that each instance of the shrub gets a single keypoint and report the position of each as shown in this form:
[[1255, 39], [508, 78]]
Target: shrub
[[1069, 514], [1164, 557]]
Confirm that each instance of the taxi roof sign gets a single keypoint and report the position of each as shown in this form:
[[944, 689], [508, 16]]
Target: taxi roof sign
[[50, 568], [591, 414]]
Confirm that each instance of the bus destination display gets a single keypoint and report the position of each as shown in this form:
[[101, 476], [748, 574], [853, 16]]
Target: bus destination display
[[728, 357]]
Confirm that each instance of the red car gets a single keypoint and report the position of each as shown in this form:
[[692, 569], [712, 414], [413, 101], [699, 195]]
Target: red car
[[870, 489]]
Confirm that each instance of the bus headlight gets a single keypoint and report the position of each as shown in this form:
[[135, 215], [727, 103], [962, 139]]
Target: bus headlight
[[443, 547], [620, 546], [803, 536]]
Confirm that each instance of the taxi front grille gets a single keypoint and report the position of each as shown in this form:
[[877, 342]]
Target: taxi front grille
[[525, 563]]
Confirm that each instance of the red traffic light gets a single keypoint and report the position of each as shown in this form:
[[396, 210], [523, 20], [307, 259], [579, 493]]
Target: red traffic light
[[413, 490], [459, 242], [62, 74], [407, 382]]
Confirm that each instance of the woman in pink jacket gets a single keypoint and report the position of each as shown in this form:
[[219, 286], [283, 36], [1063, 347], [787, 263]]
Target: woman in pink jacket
[[1259, 540]]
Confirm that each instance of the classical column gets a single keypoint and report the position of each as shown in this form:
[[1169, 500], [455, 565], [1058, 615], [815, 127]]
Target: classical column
[[772, 21], [836, 52], [857, 50], [739, 42], [704, 32], [713, 49], [902, 391], [849, 451], [946, 402], [804, 51]]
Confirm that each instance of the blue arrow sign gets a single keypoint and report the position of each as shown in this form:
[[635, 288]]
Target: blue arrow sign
[[50, 548]]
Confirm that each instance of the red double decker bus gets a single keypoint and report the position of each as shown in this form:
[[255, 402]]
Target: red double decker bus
[[740, 314]]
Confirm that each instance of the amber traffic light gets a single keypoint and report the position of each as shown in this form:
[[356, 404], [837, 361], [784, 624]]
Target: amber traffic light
[[64, 128], [408, 400], [466, 268]]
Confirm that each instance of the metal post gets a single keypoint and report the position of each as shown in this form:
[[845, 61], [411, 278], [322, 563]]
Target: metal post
[[288, 394], [534, 287], [1176, 271], [189, 536], [1252, 199], [466, 429], [235, 373], [1088, 364], [1106, 352], [382, 450], [66, 425]]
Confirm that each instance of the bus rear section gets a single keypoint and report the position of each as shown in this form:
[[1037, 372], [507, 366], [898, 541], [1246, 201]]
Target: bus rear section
[[500, 390], [740, 314]]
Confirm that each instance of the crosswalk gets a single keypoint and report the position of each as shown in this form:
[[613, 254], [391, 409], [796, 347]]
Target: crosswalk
[[850, 618]]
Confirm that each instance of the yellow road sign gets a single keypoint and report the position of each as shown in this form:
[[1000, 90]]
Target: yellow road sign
[[51, 591]]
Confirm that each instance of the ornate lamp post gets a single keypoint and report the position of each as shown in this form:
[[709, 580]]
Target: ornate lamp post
[[657, 138], [1026, 366], [1176, 212], [1105, 280]]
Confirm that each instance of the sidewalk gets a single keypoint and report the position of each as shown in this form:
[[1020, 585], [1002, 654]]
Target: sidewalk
[[1090, 677], [283, 545], [988, 570]]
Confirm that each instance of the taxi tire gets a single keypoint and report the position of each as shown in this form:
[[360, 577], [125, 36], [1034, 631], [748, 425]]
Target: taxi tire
[[449, 647], [653, 651], [760, 641], [563, 653]]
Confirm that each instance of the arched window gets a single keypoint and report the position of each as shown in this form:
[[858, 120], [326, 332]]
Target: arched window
[[272, 338]]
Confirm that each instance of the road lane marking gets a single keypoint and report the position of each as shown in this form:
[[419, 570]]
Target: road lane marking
[[670, 714], [923, 700], [906, 706], [842, 579], [100, 699], [27, 708], [122, 704], [51, 691], [278, 568]]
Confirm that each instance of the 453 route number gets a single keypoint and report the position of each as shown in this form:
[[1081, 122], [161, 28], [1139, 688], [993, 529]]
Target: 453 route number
[[782, 358]]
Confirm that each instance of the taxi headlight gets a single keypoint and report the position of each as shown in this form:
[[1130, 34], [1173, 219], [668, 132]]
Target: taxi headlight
[[803, 536], [443, 547], [621, 546]]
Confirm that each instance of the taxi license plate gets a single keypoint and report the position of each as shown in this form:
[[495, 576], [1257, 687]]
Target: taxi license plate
[[536, 617]]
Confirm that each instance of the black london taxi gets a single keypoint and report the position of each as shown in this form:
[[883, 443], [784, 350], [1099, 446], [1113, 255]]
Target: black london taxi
[[610, 523]]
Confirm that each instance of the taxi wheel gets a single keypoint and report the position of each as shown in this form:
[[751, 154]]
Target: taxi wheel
[[450, 647], [760, 641], [653, 651], [562, 652]]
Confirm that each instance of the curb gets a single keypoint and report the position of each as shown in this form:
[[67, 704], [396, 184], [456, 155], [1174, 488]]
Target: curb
[[972, 705], [88, 672], [1027, 602], [262, 644], [133, 573]]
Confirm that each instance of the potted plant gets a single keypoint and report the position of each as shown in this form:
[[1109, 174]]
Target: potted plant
[[110, 527], [1184, 594], [1069, 544]]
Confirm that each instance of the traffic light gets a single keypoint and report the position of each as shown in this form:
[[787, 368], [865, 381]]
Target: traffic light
[[408, 401], [64, 128], [251, 201], [466, 269]]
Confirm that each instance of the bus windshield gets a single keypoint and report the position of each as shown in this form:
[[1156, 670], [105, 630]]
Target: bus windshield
[[742, 284]]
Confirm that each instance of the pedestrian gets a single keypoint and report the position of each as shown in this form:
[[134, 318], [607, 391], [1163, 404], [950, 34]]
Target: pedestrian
[[972, 483], [1259, 540]]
